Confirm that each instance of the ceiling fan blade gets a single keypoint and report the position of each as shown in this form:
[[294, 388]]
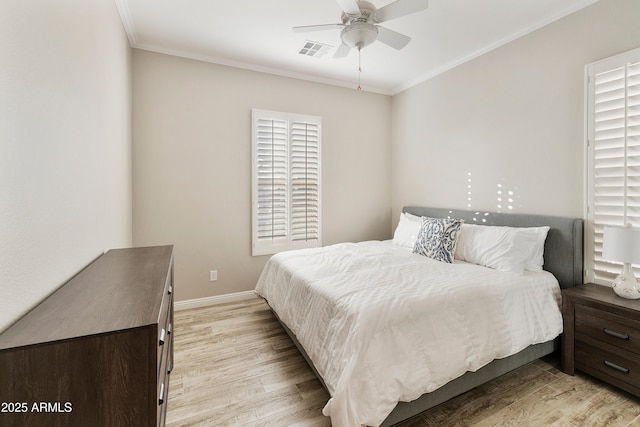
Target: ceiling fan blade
[[321, 27], [350, 7], [399, 8], [392, 38], [342, 51]]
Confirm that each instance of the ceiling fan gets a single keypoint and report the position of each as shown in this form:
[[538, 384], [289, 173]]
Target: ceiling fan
[[359, 24]]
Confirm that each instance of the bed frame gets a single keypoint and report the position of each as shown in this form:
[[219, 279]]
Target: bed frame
[[562, 256]]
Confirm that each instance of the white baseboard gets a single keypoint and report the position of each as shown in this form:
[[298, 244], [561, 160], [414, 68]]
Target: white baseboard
[[216, 299]]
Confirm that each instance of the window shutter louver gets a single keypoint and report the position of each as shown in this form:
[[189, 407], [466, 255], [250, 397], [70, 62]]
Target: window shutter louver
[[286, 181], [271, 180], [614, 156], [304, 182]]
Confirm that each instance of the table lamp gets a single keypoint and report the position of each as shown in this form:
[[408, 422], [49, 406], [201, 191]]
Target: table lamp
[[623, 244]]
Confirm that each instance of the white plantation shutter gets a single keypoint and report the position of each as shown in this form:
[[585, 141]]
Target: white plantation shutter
[[272, 176], [305, 181], [613, 132], [286, 181]]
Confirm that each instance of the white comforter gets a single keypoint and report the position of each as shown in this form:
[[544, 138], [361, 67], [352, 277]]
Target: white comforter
[[383, 325]]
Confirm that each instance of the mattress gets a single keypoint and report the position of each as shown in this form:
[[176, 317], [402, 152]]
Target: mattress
[[383, 325]]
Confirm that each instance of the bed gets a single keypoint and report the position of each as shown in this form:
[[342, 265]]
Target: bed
[[391, 333]]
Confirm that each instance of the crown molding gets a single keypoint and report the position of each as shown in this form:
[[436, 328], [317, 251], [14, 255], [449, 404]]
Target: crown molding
[[127, 21], [512, 37]]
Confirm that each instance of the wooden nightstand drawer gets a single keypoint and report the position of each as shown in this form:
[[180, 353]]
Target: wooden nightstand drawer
[[607, 327], [602, 335], [621, 368]]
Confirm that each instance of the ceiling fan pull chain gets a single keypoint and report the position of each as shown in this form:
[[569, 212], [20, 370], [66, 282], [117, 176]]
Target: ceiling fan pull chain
[[359, 68]]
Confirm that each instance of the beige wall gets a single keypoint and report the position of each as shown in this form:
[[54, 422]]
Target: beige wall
[[65, 138], [192, 164], [513, 117]]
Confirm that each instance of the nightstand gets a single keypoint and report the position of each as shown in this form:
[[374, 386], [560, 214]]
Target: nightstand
[[602, 335]]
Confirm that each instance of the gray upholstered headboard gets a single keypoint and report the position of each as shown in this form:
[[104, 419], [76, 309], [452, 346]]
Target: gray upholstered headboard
[[562, 249]]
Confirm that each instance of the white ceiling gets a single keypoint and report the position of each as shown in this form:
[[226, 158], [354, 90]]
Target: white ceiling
[[256, 35]]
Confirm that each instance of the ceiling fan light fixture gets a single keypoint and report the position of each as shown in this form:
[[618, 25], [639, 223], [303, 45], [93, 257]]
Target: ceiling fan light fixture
[[359, 34]]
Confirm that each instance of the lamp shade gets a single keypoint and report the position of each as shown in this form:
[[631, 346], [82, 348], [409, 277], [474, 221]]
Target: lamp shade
[[621, 244]]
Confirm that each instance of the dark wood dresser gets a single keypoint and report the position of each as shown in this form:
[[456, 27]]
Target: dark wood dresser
[[602, 335], [98, 351]]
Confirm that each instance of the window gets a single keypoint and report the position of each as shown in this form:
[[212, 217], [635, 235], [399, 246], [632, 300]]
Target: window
[[286, 192], [613, 155]]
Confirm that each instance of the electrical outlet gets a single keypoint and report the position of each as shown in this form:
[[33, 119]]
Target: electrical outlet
[[213, 275]]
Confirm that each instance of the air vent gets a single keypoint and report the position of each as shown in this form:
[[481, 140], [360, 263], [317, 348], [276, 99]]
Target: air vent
[[315, 49]]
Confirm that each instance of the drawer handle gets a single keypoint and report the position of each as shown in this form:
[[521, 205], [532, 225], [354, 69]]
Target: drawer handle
[[170, 291], [616, 334], [162, 332], [169, 329], [616, 367], [170, 367], [161, 397]]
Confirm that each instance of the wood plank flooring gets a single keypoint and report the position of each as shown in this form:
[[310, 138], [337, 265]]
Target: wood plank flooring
[[235, 366]]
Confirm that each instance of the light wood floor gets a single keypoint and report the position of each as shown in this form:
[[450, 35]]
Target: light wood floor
[[235, 366]]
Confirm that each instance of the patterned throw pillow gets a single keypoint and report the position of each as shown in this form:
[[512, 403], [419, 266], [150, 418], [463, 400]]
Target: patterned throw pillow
[[437, 238]]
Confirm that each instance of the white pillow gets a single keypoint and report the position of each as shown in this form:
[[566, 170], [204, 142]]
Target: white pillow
[[407, 230], [510, 249], [536, 257]]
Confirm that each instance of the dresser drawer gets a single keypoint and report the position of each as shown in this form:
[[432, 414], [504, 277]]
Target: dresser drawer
[[163, 395], [620, 368], [165, 350], [164, 329], [165, 366], [607, 327]]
